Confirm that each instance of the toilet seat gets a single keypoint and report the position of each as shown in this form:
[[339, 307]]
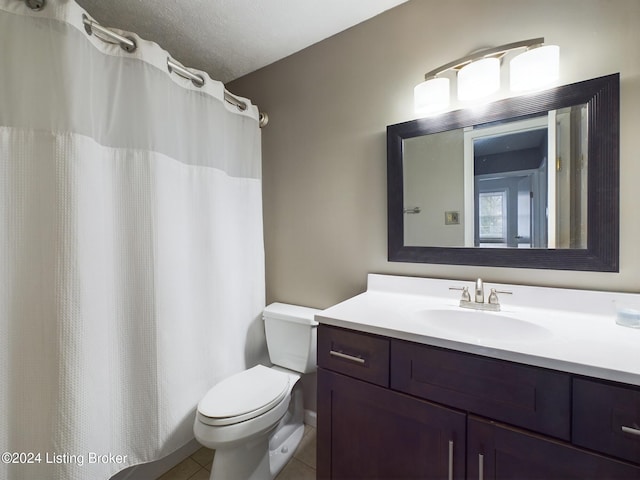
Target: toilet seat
[[243, 396]]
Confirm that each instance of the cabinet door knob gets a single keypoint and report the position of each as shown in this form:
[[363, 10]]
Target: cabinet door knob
[[344, 356]]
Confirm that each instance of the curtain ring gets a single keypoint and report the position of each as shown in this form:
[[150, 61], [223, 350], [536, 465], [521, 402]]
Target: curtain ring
[[128, 44]]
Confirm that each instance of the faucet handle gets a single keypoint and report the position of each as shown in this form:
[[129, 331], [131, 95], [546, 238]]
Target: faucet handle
[[493, 296], [466, 297]]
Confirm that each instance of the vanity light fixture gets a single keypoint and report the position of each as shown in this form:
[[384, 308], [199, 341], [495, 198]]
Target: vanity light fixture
[[432, 95], [537, 67], [478, 74], [479, 79]]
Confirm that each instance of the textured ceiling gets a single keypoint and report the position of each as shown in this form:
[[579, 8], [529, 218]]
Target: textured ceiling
[[230, 38]]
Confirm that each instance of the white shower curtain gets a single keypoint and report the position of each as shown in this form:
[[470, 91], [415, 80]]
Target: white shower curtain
[[131, 248]]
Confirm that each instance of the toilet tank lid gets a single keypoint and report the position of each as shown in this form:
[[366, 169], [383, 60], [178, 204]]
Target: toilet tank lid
[[291, 313]]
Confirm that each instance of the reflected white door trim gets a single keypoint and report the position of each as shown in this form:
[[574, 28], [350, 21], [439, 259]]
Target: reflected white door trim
[[552, 155]]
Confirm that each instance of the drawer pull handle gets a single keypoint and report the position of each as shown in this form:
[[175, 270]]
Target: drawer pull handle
[[632, 431], [480, 466], [344, 356], [450, 459]]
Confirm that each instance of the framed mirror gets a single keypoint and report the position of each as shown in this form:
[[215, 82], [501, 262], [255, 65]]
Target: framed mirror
[[526, 182]]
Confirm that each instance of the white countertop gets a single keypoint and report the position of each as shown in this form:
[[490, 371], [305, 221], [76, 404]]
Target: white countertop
[[578, 329]]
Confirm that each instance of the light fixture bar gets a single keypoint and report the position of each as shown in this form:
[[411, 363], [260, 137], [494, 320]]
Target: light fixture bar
[[478, 75], [461, 62]]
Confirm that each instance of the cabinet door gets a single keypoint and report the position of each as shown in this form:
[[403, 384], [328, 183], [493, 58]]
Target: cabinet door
[[496, 451], [369, 432]]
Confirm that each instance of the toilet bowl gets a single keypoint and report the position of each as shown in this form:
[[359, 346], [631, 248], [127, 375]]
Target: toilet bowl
[[254, 419]]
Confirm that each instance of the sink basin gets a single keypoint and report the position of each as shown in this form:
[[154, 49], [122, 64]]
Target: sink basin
[[482, 326]]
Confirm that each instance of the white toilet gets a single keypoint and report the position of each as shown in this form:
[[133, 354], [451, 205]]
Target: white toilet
[[254, 420]]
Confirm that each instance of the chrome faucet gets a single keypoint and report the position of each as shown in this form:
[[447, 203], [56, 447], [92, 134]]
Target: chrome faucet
[[479, 291], [493, 304]]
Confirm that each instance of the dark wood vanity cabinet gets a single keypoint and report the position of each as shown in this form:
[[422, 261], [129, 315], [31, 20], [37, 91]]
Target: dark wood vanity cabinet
[[356, 354], [517, 394], [368, 431], [606, 418], [496, 451], [389, 408], [371, 432]]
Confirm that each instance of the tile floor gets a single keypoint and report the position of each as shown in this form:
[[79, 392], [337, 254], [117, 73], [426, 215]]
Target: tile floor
[[301, 467]]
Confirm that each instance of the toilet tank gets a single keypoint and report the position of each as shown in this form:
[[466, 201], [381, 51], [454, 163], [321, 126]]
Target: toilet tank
[[291, 336]]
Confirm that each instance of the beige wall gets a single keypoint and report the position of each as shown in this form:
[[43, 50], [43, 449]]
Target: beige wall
[[324, 150]]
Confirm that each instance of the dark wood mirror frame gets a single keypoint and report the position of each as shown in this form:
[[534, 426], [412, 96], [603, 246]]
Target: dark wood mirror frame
[[602, 96]]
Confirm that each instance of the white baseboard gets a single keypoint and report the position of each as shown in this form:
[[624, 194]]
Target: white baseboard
[[311, 418]]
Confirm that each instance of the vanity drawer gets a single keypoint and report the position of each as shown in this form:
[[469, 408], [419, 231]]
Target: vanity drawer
[[356, 354], [521, 395], [606, 418]]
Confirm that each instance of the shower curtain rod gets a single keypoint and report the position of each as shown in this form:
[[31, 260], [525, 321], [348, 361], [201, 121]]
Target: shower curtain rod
[[128, 44]]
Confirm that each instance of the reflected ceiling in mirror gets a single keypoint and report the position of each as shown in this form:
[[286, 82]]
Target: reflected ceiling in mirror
[[530, 182]]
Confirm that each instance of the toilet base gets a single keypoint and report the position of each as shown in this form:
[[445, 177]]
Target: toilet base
[[279, 456], [263, 456], [249, 461]]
